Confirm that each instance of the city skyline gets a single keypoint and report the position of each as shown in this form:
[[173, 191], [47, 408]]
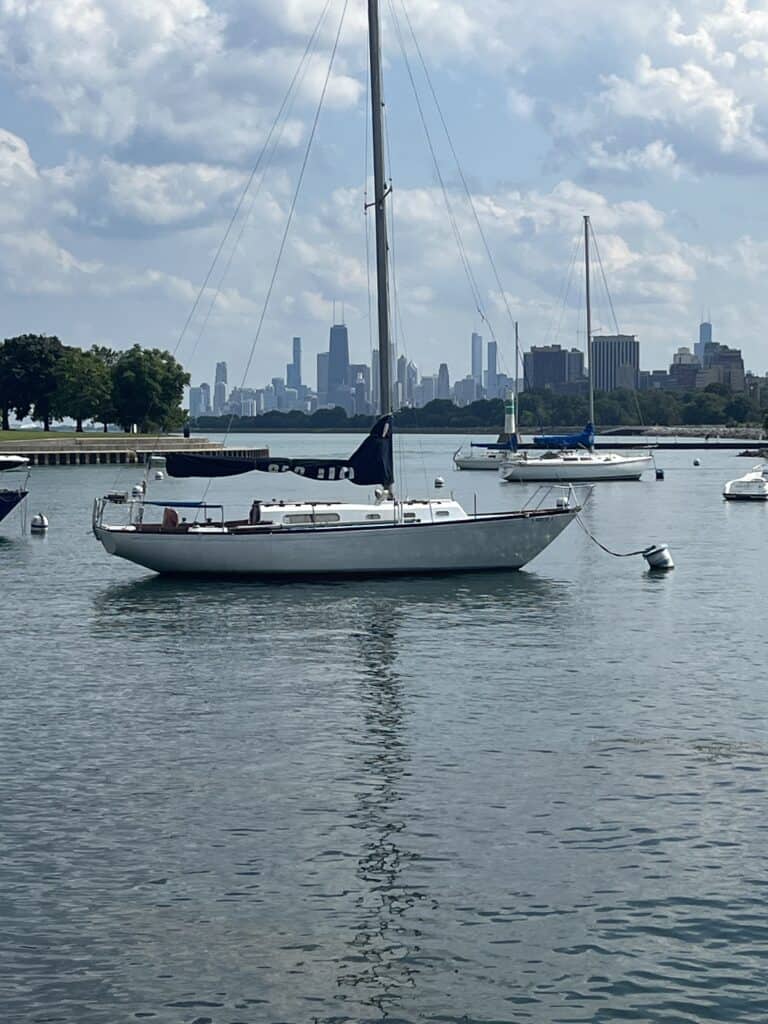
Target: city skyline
[[354, 386], [120, 184]]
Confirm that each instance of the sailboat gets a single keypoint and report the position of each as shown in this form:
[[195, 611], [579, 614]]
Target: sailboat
[[10, 497], [383, 536], [490, 454], [571, 458]]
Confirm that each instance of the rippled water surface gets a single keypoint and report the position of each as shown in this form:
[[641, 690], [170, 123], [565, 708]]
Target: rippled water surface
[[527, 797]]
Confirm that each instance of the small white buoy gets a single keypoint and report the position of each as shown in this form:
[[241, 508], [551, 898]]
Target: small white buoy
[[439, 482], [697, 462], [39, 523], [658, 557], [159, 475]]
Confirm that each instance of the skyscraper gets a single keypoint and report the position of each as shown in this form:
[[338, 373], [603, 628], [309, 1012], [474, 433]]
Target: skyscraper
[[293, 370], [491, 383], [615, 361], [195, 402], [338, 364], [443, 382], [705, 338], [220, 389], [549, 366], [205, 394], [477, 358], [411, 381], [322, 378]]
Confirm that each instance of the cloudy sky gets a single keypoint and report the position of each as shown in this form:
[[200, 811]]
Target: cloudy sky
[[129, 129]]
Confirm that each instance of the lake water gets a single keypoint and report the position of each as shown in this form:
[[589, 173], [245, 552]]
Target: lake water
[[535, 797]]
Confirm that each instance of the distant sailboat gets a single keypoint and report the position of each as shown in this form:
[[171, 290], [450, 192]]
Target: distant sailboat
[[490, 454], [317, 539], [571, 458]]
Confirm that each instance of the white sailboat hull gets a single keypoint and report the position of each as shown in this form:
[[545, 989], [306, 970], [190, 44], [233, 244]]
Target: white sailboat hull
[[490, 461], [576, 469], [474, 544]]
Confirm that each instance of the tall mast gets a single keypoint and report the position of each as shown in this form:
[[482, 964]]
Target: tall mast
[[517, 361], [379, 197], [589, 324]]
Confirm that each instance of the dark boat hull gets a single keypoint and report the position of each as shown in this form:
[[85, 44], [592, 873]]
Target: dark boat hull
[[9, 500]]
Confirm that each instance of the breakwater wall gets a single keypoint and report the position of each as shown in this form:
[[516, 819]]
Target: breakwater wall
[[102, 451]]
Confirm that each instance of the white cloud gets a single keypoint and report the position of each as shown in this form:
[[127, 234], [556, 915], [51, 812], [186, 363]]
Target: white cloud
[[656, 157]]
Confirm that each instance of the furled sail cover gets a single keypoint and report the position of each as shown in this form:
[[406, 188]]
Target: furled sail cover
[[370, 464], [585, 439]]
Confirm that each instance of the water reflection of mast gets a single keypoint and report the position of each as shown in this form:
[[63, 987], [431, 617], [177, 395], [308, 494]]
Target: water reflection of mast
[[381, 958]]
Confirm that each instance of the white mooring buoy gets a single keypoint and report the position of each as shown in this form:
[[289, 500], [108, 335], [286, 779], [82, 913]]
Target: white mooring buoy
[[697, 462], [658, 557], [439, 482], [39, 523]]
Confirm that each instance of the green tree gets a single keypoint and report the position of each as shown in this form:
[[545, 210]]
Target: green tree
[[30, 362], [703, 408], [741, 409], [10, 373], [105, 412], [84, 388], [148, 388]]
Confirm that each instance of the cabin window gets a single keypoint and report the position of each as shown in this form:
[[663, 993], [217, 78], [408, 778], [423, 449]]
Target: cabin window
[[373, 515], [302, 518], [442, 513], [409, 515]]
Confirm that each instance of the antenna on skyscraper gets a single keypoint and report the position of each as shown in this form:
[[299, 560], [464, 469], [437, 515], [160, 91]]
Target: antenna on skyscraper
[[334, 311], [342, 311]]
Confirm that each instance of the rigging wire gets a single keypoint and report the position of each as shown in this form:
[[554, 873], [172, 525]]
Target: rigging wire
[[251, 177], [605, 281], [459, 168], [285, 107], [294, 200], [291, 212], [555, 330], [471, 280], [613, 313]]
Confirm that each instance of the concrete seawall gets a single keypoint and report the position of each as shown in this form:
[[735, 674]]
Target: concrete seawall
[[101, 450]]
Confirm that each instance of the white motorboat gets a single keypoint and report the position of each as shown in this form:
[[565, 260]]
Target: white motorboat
[[753, 486], [381, 537], [10, 497], [572, 458]]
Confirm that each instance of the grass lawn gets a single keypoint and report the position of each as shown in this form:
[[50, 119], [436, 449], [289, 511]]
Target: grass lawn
[[56, 435]]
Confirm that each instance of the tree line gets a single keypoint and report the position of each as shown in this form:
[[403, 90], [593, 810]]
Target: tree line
[[41, 377], [538, 410]]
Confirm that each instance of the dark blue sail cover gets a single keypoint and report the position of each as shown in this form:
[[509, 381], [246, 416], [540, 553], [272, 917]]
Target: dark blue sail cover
[[585, 439], [370, 464], [504, 444]]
